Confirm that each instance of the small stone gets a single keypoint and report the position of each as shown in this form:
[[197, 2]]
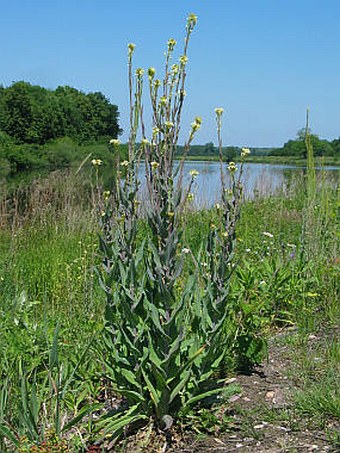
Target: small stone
[[231, 380], [258, 426], [234, 398], [270, 395]]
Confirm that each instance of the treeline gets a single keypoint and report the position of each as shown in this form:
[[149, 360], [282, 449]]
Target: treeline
[[229, 152], [297, 147], [292, 148], [40, 126]]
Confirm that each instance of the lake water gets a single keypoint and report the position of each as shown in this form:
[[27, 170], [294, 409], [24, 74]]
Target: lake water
[[257, 179]]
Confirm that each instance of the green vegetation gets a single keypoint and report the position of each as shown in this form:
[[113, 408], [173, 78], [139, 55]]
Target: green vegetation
[[292, 152], [50, 299], [40, 127]]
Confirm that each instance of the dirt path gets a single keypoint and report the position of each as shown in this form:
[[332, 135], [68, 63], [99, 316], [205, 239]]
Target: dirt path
[[263, 416]]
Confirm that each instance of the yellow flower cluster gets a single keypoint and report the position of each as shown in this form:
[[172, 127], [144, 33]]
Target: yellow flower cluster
[[232, 167], [219, 111], [171, 44], [96, 162], [183, 60], [139, 72], [106, 194], [115, 142], [245, 152], [194, 173], [196, 125]]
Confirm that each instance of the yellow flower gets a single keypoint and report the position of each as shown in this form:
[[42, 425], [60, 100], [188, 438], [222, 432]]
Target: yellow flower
[[194, 173], [96, 162], [174, 68], [195, 126], [219, 111], [125, 163], [245, 152], [131, 47], [190, 196], [171, 214], [163, 100], [145, 142], [232, 167], [114, 142], [171, 44], [157, 83], [192, 19], [154, 165], [106, 195], [169, 124], [183, 60], [139, 72]]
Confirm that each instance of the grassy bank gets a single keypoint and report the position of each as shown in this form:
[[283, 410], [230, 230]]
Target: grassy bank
[[53, 363], [55, 154]]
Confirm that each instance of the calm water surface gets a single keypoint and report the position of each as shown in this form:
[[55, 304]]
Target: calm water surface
[[259, 179]]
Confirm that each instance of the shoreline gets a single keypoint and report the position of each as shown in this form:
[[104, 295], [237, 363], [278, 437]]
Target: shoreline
[[319, 161]]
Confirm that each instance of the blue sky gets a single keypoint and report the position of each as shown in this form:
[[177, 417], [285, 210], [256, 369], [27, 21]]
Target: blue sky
[[264, 61]]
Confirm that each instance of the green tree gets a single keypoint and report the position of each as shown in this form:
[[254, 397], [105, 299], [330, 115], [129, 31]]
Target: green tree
[[33, 114]]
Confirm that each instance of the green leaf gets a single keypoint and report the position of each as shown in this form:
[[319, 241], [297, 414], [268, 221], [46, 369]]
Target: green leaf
[[202, 396], [179, 387], [129, 376], [54, 349], [155, 255], [6, 432], [85, 411], [153, 392]]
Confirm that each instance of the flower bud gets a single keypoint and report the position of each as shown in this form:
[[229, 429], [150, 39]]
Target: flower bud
[[219, 111], [171, 44], [131, 47], [139, 72], [114, 142], [151, 72]]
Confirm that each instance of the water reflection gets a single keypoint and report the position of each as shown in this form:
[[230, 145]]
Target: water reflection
[[258, 179]]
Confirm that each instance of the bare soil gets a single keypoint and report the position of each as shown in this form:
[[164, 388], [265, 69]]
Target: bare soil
[[264, 419]]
